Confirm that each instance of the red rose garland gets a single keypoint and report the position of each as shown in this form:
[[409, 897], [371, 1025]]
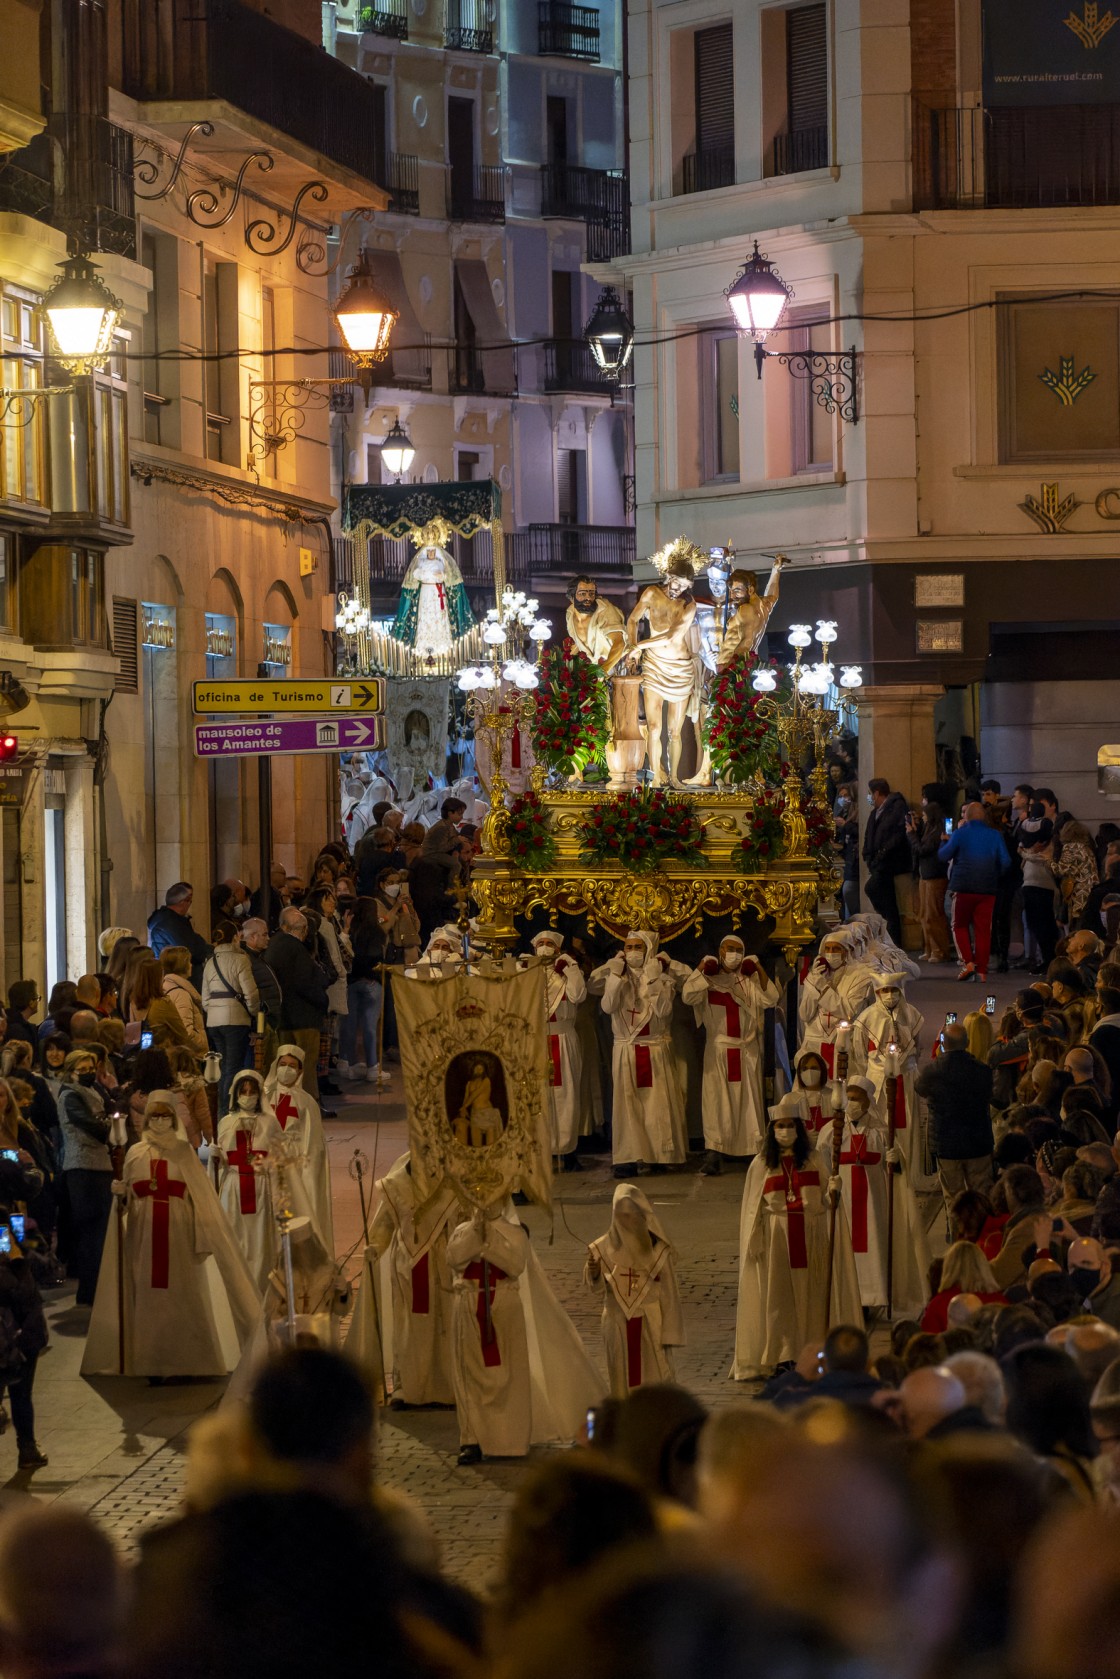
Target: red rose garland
[[532, 845], [741, 737], [643, 830], [572, 715]]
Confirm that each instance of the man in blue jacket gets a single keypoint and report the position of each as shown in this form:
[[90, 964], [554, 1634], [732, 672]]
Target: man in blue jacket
[[979, 858]]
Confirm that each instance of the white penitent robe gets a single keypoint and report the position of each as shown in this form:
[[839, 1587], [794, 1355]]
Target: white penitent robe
[[642, 1319], [565, 991], [190, 1306], [876, 1029], [246, 1188], [489, 1343], [865, 1176], [731, 1008], [299, 1117], [783, 1264], [828, 997], [406, 1265], [648, 1119]]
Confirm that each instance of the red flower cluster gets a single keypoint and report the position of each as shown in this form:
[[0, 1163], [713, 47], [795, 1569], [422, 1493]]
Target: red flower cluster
[[529, 832], [571, 723], [741, 736], [763, 839], [644, 829]]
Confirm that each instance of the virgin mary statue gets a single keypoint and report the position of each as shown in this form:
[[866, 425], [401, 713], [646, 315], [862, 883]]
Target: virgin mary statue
[[433, 610]]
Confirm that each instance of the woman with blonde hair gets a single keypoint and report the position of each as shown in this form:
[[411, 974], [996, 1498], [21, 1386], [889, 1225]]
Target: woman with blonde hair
[[181, 996], [964, 1271], [979, 1029]]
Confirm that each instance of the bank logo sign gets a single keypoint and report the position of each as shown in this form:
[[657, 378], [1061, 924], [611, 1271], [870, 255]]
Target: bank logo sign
[[1051, 52]]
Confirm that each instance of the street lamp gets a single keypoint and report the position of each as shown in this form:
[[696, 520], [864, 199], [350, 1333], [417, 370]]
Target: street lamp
[[610, 333], [364, 316], [397, 451], [82, 314], [757, 298]]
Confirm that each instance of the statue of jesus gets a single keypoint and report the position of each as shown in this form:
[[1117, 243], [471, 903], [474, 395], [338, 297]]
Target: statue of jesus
[[670, 660]]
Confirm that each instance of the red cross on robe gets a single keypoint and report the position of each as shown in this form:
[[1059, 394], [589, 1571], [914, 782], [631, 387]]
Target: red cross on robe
[[643, 1064], [241, 1159], [160, 1188], [487, 1277], [859, 1157], [734, 1029], [285, 1110], [788, 1183]]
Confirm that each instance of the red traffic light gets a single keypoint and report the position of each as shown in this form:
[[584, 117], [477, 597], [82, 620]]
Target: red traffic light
[[9, 748]]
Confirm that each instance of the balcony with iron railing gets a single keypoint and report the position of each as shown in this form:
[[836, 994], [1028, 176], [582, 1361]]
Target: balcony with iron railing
[[471, 372], [222, 49], [469, 25], [598, 197], [806, 149], [476, 194], [703, 171], [565, 31], [1015, 158], [407, 368], [389, 18], [570, 366], [402, 179], [76, 174], [561, 549]]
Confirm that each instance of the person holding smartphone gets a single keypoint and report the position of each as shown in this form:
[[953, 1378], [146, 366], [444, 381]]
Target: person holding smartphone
[[927, 834], [21, 1308]]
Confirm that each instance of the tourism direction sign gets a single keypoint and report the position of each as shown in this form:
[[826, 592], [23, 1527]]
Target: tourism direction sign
[[288, 735], [257, 695]]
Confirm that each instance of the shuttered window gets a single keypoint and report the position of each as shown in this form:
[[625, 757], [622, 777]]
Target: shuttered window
[[807, 68], [715, 89], [125, 645]]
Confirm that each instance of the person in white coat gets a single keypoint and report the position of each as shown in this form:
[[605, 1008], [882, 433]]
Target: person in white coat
[[783, 1249], [299, 1118], [633, 1267], [565, 989], [189, 1303], [833, 992], [519, 1369], [637, 987], [249, 1136], [886, 1039], [730, 995], [810, 1078], [867, 1164], [401, 1323]]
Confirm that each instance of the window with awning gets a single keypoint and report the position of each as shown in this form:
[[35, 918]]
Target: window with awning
[[498, 361], [410, 354]]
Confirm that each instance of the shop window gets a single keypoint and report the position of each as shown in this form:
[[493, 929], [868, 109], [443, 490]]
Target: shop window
[[277, 653], [221, 645], [1059, 383]]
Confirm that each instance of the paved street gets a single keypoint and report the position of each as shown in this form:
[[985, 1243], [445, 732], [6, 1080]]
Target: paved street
[[116, 1446]]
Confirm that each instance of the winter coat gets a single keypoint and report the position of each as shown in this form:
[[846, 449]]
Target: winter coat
[[85, 1130], [958, 1091], [188, 1004], [979, 858], [886, 848], [166, 927], [229, 989], [304, 1006]]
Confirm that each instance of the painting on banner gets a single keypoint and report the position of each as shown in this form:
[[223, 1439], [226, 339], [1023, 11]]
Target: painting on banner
[[474, 1053]]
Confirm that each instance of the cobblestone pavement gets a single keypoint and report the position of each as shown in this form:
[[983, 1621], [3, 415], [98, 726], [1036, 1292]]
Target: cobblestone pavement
[[116, 1446]]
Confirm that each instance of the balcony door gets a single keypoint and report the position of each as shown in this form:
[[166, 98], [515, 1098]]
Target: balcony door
[[460, 149]]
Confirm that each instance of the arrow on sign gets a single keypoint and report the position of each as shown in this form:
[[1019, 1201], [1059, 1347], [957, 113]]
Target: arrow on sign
[[357, 734], [363, 696]]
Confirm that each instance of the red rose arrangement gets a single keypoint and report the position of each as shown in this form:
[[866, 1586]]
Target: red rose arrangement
[[643, 830], [762, 842], [572, 715], [532, 845], [739, 732]]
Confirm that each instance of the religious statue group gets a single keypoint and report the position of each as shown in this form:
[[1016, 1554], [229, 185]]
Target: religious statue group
[[668, 652]]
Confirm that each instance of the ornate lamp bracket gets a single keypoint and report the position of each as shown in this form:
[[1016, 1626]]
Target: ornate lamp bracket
[[832, 375]]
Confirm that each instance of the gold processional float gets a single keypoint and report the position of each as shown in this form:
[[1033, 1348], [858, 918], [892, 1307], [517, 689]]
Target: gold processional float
[[748, 839]]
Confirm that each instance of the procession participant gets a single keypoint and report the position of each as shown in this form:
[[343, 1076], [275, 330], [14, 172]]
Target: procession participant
[[891, 1024], [784, 1248], [595, 626], [321, 1293], [565, 989], [833, 993], [670, 661], [443, 955], [247, 1137], [518, 1367], [866, 1159], [872, 943], [632, 1265], [750, 613], [190, 1305], [401, 1323], [299, 1117], [730, 995], [648, 1120], [810, 1078]]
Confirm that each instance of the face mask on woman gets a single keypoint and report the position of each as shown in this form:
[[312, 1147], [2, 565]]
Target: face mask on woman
[[286, 1075], [393, 891], [87, 1079], [247, 1102]]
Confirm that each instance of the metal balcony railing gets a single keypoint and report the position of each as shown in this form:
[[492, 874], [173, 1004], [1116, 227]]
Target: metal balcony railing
[[599, 197], [469, 25], [472, 371], [705, 170], [478, 194], [1016, 158], [570, 366], [565, 31], [806, 149], [402, 178], [389, 18], [77, 172], [566, 548], [410, 368]]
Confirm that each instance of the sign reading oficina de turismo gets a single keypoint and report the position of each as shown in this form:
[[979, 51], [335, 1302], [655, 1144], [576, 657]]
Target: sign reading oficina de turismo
[[258, 695]]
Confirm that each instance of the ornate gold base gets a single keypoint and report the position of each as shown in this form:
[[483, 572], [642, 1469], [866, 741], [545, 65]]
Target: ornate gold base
[[673, 899]]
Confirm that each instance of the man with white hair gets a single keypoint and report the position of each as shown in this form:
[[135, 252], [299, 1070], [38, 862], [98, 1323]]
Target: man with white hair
[[982, 1381], [565, 989], [730, 994], [929, 1399], [648, 1119], [833, 993]]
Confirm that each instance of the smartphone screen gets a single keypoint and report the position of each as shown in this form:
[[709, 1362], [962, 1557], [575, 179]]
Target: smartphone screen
[[18, 1223], [990, 1005], [941, 1039], [951, 1018], [146, 1039], [10, 1154], [948, 824], [5, 1239], [592, 1417]]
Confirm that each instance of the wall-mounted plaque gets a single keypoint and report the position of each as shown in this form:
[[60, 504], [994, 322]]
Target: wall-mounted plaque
[[944, 588], [940, 636]]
